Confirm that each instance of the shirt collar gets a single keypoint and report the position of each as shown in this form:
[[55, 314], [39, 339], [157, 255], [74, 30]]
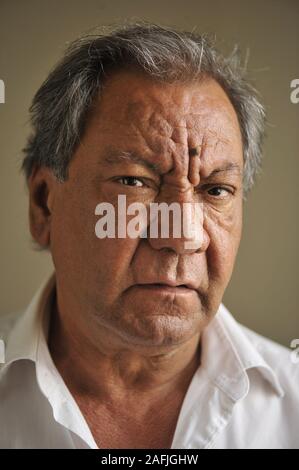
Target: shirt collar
[[228, 355], [32, 326], [226, 352]]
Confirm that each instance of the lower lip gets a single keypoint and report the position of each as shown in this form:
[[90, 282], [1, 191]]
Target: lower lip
[[157, 289]]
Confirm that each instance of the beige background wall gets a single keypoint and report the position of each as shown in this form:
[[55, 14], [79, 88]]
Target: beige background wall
[[263, 293]]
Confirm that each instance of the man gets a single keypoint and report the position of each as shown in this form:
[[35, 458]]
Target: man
[[127, 345]]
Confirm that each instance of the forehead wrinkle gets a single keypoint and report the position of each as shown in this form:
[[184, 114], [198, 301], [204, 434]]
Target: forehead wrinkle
[[160, 141], [212, 143], [214, 150], [156, 118], [169, 136]]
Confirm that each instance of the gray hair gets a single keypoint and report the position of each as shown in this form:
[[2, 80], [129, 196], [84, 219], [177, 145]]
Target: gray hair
[[60, 109]]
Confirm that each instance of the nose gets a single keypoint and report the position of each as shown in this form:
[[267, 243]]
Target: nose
[[177, 223]]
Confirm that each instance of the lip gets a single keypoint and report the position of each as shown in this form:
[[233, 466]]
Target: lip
[[160, 288]]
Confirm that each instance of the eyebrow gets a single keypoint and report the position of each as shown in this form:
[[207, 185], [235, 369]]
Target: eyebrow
[[115, 157], [230, 166]]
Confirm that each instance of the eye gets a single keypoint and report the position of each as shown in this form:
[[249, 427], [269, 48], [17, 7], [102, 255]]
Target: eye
[[130, 181], [219, 191]]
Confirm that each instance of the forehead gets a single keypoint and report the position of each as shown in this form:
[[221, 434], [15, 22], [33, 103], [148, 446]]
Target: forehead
[[165, 121]]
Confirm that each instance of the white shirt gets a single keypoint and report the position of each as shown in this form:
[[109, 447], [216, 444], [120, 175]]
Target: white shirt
[[244, 394]]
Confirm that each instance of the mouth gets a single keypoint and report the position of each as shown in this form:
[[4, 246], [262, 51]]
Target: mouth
[[166, 288]]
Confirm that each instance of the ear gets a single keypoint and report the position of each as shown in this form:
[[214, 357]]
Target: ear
[[42, 184]]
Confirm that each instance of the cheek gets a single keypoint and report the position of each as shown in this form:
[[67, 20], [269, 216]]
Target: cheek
[[100, 270], [112, 260], [224, 232]]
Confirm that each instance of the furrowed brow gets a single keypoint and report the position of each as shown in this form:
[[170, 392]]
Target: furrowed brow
[[229, 167], [117, 157]]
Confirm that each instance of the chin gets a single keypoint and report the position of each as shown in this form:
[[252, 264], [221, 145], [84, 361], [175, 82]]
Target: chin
[[158, 329]]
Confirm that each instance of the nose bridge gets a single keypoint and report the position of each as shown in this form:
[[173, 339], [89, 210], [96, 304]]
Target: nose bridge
[[181, 193], [178, 220]]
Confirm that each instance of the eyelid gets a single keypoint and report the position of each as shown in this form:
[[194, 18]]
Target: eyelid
[[208, 186], [136, 170], [147, 182], [133, 178], [127, 177], [228, 187]]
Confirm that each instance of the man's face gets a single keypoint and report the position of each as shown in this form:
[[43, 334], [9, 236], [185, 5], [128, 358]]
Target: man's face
[[120, 284]]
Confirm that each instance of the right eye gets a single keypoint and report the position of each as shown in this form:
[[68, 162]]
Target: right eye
[[130, 181]]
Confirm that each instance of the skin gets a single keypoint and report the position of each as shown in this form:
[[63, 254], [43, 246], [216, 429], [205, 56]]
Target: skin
[[128, 351]]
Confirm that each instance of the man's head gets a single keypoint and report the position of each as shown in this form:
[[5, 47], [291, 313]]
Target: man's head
[[190, 128]]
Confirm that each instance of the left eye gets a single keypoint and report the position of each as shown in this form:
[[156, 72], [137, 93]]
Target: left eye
[[131, 181], [218, 191]]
